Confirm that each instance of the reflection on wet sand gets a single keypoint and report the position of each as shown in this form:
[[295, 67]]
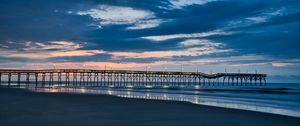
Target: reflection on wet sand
[[195, 99]]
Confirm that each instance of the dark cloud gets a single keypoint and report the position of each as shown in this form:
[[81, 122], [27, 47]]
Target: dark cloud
[[256, 28]]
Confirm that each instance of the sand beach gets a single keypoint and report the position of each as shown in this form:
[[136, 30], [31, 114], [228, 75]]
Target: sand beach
[[21, 107]]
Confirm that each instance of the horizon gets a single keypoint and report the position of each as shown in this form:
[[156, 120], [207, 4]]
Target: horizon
[[208, 36]]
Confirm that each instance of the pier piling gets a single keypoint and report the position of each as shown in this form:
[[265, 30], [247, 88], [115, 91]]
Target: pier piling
[[125, 78]]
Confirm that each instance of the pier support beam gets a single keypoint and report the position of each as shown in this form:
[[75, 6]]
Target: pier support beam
[[9, 79], [36, 80], [0, 79], [19, 79], [43, 79], [27, 79], [51, 79]]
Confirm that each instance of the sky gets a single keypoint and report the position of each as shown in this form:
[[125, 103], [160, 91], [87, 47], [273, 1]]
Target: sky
[[210, 36]]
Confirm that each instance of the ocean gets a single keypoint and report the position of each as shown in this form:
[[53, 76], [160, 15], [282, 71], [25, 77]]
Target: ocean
[[276, 98]]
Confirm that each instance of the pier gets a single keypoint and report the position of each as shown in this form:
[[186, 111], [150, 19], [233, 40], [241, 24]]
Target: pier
[[124, 78]]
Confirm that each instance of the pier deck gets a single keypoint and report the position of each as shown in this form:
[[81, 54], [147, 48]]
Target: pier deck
[[124, 78]]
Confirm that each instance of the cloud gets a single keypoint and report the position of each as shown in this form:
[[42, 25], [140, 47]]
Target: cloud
[[199, 42], [280, 64], [52, 49], [248, 60], [256, 20], [249, 64], [192, 35], [52, 45], [263, 16], [119, 15], [233, 60], [193, 47], [284, 63], [89, 65], [38, 50], [3, 46], [113, 65], [167, 54], [179, 4], [145, 24], [77, 53]]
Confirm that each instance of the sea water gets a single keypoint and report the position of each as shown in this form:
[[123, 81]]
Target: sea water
[[276, 98]]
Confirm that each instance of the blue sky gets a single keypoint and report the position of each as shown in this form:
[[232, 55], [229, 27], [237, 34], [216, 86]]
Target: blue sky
[[208, 35]]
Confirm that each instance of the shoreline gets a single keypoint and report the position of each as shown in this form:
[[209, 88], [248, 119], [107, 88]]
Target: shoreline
[[240, 102], [21, 107]]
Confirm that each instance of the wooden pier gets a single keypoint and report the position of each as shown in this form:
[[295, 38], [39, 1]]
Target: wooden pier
[[124, 78]]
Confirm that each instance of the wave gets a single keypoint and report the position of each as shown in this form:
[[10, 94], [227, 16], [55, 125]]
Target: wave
[[248, 99]]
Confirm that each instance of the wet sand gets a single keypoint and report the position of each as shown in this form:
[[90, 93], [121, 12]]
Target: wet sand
[[23, 108]]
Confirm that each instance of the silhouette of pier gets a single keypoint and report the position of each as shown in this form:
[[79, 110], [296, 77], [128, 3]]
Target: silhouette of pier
[[124, 78]]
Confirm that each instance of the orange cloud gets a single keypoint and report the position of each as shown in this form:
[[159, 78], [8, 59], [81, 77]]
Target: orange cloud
[[94, 65]]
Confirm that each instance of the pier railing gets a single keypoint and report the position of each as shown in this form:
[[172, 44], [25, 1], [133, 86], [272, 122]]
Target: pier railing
[[124, 78]]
